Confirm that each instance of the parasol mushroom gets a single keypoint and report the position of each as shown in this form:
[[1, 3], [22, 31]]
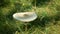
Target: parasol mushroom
[[25, 17]]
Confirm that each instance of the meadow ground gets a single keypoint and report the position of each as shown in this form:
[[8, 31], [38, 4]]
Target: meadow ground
[[48, 21]]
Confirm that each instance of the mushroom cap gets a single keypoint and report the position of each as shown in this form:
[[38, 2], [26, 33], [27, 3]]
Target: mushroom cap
[[25, 16]]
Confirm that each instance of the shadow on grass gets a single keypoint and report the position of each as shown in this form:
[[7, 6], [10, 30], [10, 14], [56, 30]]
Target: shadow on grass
[[41, 2], [4, 3], [6, 29], [39, 22]]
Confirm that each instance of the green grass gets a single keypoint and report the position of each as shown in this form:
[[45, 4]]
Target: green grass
[[48, 21]]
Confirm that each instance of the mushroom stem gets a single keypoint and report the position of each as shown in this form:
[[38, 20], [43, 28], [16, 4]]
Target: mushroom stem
[[25, 26]]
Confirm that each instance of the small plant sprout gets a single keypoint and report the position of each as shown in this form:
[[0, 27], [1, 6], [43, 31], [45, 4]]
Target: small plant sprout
[[25, 17]]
